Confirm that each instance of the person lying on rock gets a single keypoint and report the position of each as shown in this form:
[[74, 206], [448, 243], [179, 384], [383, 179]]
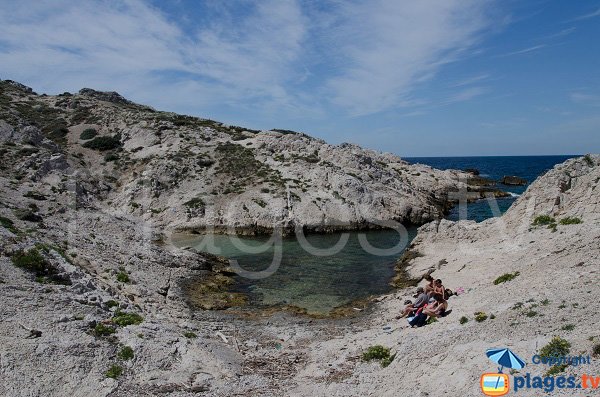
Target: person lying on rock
[[437, 308]]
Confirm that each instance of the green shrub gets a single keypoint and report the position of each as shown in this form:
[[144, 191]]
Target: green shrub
[[531, 313], [596, 350], [8, 224], [568, 327], [588, 159], [28, 215], [103, 330], [195, 203], [480, 317], [557, 347], [379, 352], [190, 335], [103, 143], [506, 277], [463, 320], [126, 353], [387, 361], [542, 220], [33, 262], [376, 352], [122, 277], [111, 303], [556, 369], [111, 157], [114, 371], [88, 133], [124, 318], [570, 221]]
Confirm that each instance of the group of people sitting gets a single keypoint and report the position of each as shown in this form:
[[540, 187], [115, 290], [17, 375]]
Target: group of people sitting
[[431, 302]]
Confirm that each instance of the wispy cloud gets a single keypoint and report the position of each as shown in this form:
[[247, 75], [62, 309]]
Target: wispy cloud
[[592, 14], [466, 95], [471, 80], [276, 55], [585, 98], [523, 51], [399, 45]]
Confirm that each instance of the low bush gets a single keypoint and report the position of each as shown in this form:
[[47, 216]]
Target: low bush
[[34, 262], [190, 335], [556, 369], [542, 220], [126, 353], [103, 143], [596, 350], [480, 317], [111, 157], [124, 318], [570, 221], [88, 134], [27, 215], [557, 347], [114, 371], [8, 224], [463, 320], [103, 330], [123, 277], [505, 277], [568, 327], [380, 353]]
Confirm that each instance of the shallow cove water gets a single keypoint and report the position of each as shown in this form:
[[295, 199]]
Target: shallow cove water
[[315, 283]]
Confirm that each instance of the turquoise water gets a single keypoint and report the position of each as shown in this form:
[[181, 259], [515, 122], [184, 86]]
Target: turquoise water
[[315, 283]]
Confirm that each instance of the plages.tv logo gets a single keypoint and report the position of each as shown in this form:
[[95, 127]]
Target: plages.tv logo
[[498, 384]]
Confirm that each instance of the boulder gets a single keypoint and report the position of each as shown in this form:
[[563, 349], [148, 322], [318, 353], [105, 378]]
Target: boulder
[[513, 181]]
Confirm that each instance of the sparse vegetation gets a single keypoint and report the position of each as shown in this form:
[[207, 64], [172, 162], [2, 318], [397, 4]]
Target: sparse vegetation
[[103, 143], [463, 320], [531, 313], [588, 159], [102, 329], [111, 303], [543, 220], [9, 225], [380, 353], [568, 327], [123, 277], [596, 350], [570, 221], [34, 262], [556, 369], [190, 335], [111, 157], [505, 277], [114, 371], [480, 317], [126, 353], [125, 318], [195, 203], [557, 347], [88, 133]]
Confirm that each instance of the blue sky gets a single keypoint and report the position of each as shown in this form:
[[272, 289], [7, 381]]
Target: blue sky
[[416, 78]]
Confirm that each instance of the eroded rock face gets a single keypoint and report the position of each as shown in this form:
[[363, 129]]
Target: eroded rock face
[[513, 181]]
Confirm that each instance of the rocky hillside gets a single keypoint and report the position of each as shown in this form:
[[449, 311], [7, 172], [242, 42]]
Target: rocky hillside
[[189, 173]]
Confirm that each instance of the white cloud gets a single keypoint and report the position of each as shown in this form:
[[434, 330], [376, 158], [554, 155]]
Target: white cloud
[[280, 55], [523, 51], [585, 98], [392, 46], [592, 14]]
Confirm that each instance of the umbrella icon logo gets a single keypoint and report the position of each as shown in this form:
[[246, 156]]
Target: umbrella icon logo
[[498, 384]]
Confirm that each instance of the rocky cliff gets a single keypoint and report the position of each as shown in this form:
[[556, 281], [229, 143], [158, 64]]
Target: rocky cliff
[[181, 172]]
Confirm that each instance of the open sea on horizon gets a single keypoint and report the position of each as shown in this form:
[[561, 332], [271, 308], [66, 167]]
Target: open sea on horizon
[[495, 168]]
